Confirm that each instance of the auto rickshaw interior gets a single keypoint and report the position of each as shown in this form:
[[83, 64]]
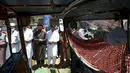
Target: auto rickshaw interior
[[99, 17]]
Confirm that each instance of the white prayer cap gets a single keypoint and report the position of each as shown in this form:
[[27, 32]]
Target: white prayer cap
[[60, 21], [12, 24]]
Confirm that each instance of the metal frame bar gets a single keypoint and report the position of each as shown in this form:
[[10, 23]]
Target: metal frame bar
[[20, 30], [21, 36], [33, 6], [121, 21], [9, 35], [128, 39]]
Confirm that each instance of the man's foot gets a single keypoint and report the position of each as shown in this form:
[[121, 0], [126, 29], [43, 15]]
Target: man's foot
[[33, 71], [48, 66], [45, 65]]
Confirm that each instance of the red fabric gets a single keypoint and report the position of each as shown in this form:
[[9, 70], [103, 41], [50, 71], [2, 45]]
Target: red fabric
[[127, 63], [105, 57]]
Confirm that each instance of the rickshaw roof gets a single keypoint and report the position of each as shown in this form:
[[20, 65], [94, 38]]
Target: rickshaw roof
[[36, 7], [77, 9], [98, 9]]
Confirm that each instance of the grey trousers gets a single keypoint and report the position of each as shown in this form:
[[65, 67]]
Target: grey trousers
[[53, 60]]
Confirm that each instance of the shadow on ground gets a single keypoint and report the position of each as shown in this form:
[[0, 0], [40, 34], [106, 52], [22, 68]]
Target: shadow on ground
[[35, 67], [52, 70]]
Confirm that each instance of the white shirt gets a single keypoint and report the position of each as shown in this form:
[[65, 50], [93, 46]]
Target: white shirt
[[15, 43], [28, 36], [52, 49]]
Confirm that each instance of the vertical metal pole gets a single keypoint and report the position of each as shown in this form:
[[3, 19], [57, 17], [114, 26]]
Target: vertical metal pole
[[128, 40], [21, 36], [64, 40], [121, 20], [65, 22], [9, 35]]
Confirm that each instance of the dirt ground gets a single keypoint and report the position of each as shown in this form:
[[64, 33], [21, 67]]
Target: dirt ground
[[44, 69]]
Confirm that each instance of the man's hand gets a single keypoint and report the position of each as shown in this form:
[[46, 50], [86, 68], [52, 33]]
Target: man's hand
[[36, 39], [52, 42], [13, 42], [49, 42], [40, 40], [26, 41]]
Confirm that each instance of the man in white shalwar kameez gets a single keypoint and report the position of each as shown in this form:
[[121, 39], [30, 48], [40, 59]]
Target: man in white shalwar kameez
[[15, 41], [52, 48], [28, 36]]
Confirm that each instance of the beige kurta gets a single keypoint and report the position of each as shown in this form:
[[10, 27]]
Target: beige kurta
[[28, 36]]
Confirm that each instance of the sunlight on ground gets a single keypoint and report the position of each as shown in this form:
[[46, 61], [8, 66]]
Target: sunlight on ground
[[36, 69], [53, 70]]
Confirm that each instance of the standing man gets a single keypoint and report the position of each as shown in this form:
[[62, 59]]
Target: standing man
[[28, 36], [40, 38], [15, 41], [52, 48]]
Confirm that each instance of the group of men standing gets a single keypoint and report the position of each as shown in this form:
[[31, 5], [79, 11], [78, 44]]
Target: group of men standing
[[35, 42], [41, 40]]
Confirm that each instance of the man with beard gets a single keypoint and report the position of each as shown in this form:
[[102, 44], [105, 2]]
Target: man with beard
[[39, 44], [52, 48]]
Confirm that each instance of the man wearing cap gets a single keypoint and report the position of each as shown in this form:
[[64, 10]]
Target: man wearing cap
[[28, 37], [15, 41], [40, 44]]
